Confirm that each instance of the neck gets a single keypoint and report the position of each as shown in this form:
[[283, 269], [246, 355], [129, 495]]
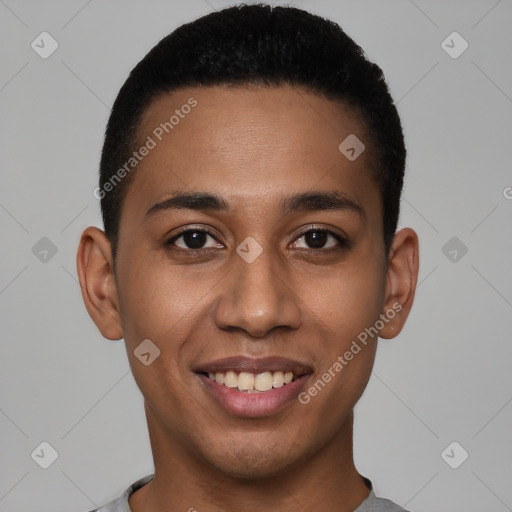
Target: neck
[[326, 480]]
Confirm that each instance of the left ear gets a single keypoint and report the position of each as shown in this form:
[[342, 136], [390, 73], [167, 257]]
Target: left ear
[[402, 277]]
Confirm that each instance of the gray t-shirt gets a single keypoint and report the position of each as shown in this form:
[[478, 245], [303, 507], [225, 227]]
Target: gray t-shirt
[[370, 504]]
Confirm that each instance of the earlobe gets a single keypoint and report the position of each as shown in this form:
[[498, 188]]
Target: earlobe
[[97, 282], [402, 278]]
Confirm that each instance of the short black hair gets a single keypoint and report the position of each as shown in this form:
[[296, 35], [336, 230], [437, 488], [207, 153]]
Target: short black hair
[[258, 45]]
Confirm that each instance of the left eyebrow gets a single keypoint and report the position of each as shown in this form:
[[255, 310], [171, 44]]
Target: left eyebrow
[[303, 202], [320, 201]]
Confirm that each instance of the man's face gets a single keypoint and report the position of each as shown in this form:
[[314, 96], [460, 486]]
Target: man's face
[[262, 285]]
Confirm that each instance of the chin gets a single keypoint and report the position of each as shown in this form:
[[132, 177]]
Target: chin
[[251, 461]]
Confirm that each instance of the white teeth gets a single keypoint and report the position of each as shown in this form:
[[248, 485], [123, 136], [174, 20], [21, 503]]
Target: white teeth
[[231, 379], [245, 381], [263, 381], [277, 380], [251, 383]]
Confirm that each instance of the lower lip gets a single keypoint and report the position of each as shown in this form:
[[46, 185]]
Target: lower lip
[[254, 405]]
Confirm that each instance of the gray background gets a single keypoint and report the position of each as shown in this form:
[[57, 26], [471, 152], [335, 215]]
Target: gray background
[[445, 378]]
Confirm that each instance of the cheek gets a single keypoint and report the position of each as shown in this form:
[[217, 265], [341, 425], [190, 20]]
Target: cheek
[[156, 300], [349, 300], [159, 304], [347, 306]]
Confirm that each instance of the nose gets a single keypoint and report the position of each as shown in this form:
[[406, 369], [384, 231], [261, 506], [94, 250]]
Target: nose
[[257, 297]]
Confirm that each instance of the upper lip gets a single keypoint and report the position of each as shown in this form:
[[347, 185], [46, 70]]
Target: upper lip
[[254, 365]]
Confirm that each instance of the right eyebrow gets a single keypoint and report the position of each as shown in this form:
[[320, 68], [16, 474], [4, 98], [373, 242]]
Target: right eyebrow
[[189, 200]]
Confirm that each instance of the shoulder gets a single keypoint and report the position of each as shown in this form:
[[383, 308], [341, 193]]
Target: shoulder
[[121, 504], [374, 504]]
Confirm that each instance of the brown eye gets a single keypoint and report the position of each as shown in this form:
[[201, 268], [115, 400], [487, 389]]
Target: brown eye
[[192, 239], [318, 239]]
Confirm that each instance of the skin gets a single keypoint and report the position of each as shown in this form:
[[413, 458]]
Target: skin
[[252, 146]]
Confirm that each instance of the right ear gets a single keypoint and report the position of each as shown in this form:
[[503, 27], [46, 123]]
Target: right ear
[[97, 281]]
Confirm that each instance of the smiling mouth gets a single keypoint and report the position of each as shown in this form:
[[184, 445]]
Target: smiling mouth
[[247, 382], [253, 387]]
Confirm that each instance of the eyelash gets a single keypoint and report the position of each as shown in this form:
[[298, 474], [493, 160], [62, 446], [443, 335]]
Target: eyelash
[[343, 242]]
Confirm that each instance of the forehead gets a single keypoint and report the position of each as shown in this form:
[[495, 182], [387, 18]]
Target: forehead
[[247, 143]]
